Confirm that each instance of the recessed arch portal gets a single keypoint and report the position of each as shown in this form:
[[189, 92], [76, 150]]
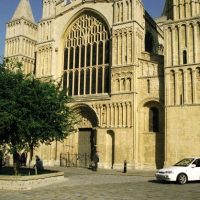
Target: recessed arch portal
[[87, 122], [87, 56], [110, 148], [85, 116], [151, 133]]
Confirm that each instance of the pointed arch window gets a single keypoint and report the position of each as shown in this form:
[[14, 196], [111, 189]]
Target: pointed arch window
[[87, 56]]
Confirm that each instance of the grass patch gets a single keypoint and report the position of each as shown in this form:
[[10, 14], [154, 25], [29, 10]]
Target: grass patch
[[9, 171]]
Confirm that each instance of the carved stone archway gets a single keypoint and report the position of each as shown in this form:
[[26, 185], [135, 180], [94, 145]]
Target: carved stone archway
[[151, 134], [86, 132], [86, 116]]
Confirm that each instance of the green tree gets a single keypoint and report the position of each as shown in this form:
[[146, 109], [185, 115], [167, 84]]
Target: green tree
[[32, 111]]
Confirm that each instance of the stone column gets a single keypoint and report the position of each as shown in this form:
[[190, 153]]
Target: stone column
[[188, 43], [79, 79], [193, 10], [194, 99], [167, 88], [176, 89], [196, 42], [187, 8], [110, 115], [128, 41], [103, 78], [115, 111], [180, 9], [122, 47], [107, 115], [124, 10], [118, 48], [180, 59], [114, 57], [124, 114], [185, 99], [130, 114], [173, 47], [73, 75], [90, 81], [97, 110], [115, 12], [97, 79]]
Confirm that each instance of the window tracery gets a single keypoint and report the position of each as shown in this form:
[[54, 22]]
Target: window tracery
[[86, 57]]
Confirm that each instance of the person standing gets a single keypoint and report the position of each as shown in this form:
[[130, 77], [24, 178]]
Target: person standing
[[95, 161], [23, 159]]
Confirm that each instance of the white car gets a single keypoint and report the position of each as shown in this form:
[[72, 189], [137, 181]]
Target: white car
[[185, 170]]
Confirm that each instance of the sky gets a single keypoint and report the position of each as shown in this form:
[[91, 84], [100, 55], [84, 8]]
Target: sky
[[7, 8]]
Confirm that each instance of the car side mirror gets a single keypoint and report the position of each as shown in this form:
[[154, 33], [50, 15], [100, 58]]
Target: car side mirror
[[193, 165]]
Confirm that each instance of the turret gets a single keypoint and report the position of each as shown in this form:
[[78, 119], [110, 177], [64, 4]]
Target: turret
[[21, 36], [181, 9], [48, 8]]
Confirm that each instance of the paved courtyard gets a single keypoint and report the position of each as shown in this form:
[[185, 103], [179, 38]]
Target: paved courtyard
[[82, 184]]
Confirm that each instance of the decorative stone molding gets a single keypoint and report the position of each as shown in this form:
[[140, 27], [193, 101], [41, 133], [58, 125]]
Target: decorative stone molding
[[115, 114]]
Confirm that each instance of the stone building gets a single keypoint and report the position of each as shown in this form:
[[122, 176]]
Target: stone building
[[135, 82]]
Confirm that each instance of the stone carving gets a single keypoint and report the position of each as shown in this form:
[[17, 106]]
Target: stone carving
[[122, 81]]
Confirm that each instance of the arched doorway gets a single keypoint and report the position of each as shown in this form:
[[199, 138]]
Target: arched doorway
[[86, 133], [151, 134], [110, 149]]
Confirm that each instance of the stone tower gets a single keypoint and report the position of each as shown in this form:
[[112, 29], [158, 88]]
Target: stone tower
[[182, 78], [45, 56], [181, 9], [21, 38]]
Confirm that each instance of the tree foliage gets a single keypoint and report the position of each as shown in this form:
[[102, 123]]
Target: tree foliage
[[32, 111]]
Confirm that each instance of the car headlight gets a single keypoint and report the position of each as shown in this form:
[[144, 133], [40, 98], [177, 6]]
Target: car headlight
[[169, 172]]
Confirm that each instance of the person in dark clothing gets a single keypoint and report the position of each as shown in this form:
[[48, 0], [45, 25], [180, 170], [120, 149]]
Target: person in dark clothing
[[38, 163], [23, 159], [95, 161]]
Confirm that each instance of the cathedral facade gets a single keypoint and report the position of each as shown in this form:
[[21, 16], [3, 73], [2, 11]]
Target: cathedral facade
[[134, 81]]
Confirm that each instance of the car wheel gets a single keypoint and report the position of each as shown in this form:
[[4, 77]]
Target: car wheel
[[182, 178]]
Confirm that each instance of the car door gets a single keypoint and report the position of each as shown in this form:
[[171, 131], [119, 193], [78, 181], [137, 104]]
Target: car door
[[194, 172]]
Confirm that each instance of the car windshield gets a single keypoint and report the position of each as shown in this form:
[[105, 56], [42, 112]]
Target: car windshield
[[185, 162]]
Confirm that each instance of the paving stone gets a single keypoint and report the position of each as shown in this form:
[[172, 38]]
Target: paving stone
[[84, 185]]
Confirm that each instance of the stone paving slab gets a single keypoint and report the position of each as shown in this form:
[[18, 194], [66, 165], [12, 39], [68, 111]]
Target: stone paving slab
[[84, 184], [108, 187], [69, 171]]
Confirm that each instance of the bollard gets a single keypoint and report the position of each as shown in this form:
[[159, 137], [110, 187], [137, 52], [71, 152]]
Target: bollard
[[125, 166]]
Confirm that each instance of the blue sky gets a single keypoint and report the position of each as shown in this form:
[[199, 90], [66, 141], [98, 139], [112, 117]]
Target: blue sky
[[154, 7]]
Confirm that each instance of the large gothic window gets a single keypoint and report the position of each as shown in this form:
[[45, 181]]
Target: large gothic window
[[86, 57]]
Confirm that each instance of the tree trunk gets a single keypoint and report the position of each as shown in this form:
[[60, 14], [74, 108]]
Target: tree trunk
[[30, 159], [1, 159]]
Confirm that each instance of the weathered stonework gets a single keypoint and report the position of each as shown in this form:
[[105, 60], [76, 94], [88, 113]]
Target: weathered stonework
[[135, 82], [30, 182]]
